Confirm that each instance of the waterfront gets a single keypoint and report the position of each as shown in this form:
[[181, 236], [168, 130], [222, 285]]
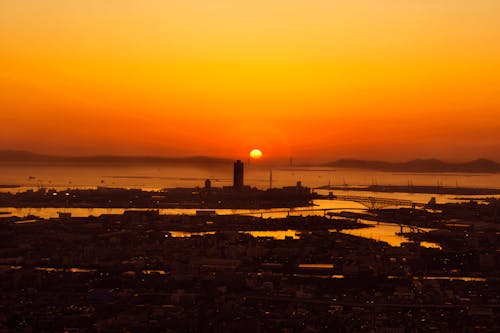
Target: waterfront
[[374, 229], [316, 265], [385, 232]]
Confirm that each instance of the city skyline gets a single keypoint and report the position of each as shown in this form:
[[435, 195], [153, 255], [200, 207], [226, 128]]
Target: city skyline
[[313, 80]]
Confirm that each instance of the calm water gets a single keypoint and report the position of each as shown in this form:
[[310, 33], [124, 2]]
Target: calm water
[[276, 234], [386, 232], [265, 213], [379, 231], [151, 177]]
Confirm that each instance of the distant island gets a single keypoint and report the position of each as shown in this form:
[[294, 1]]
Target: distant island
[[419, 165], [19, 158]]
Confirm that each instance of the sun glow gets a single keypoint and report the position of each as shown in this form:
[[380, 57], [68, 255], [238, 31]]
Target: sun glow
[[256, 154], [384, 72]]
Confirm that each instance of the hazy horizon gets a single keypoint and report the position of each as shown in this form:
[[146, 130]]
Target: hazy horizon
[[11, 153]]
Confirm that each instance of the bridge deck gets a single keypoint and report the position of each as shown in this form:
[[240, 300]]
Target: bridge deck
[[373, 199], [372, 202]]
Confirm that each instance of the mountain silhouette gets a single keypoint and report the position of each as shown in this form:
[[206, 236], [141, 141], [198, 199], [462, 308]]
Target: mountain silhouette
[[420, 165]]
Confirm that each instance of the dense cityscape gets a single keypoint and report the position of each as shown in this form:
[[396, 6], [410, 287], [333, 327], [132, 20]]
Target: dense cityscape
[[142, 271]]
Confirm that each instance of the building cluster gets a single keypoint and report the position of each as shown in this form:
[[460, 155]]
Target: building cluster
[[236, 196], [149, 272], [142, 271]]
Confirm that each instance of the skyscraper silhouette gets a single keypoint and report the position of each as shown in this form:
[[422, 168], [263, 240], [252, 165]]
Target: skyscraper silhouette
[[238, 175]]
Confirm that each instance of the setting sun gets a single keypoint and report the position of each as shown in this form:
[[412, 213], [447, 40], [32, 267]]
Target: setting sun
[[256, 154]]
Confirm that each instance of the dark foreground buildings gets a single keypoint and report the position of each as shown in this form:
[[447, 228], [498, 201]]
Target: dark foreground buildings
[[142, 271], [147, 272]]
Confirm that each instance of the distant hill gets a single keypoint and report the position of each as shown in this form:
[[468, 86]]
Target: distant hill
[[420, 165], [14, 157]]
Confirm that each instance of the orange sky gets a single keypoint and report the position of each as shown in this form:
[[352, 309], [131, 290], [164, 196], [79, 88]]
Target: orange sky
[[386, 79]]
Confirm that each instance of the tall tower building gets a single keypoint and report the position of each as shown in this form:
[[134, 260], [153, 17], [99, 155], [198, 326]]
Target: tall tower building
[[238, 175]]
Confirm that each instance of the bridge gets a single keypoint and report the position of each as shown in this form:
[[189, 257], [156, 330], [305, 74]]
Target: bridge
[[411, 229], [371, 202], [291, 211]]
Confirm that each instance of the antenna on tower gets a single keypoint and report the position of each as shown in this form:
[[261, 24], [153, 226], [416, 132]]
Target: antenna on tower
[[270, 178]]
